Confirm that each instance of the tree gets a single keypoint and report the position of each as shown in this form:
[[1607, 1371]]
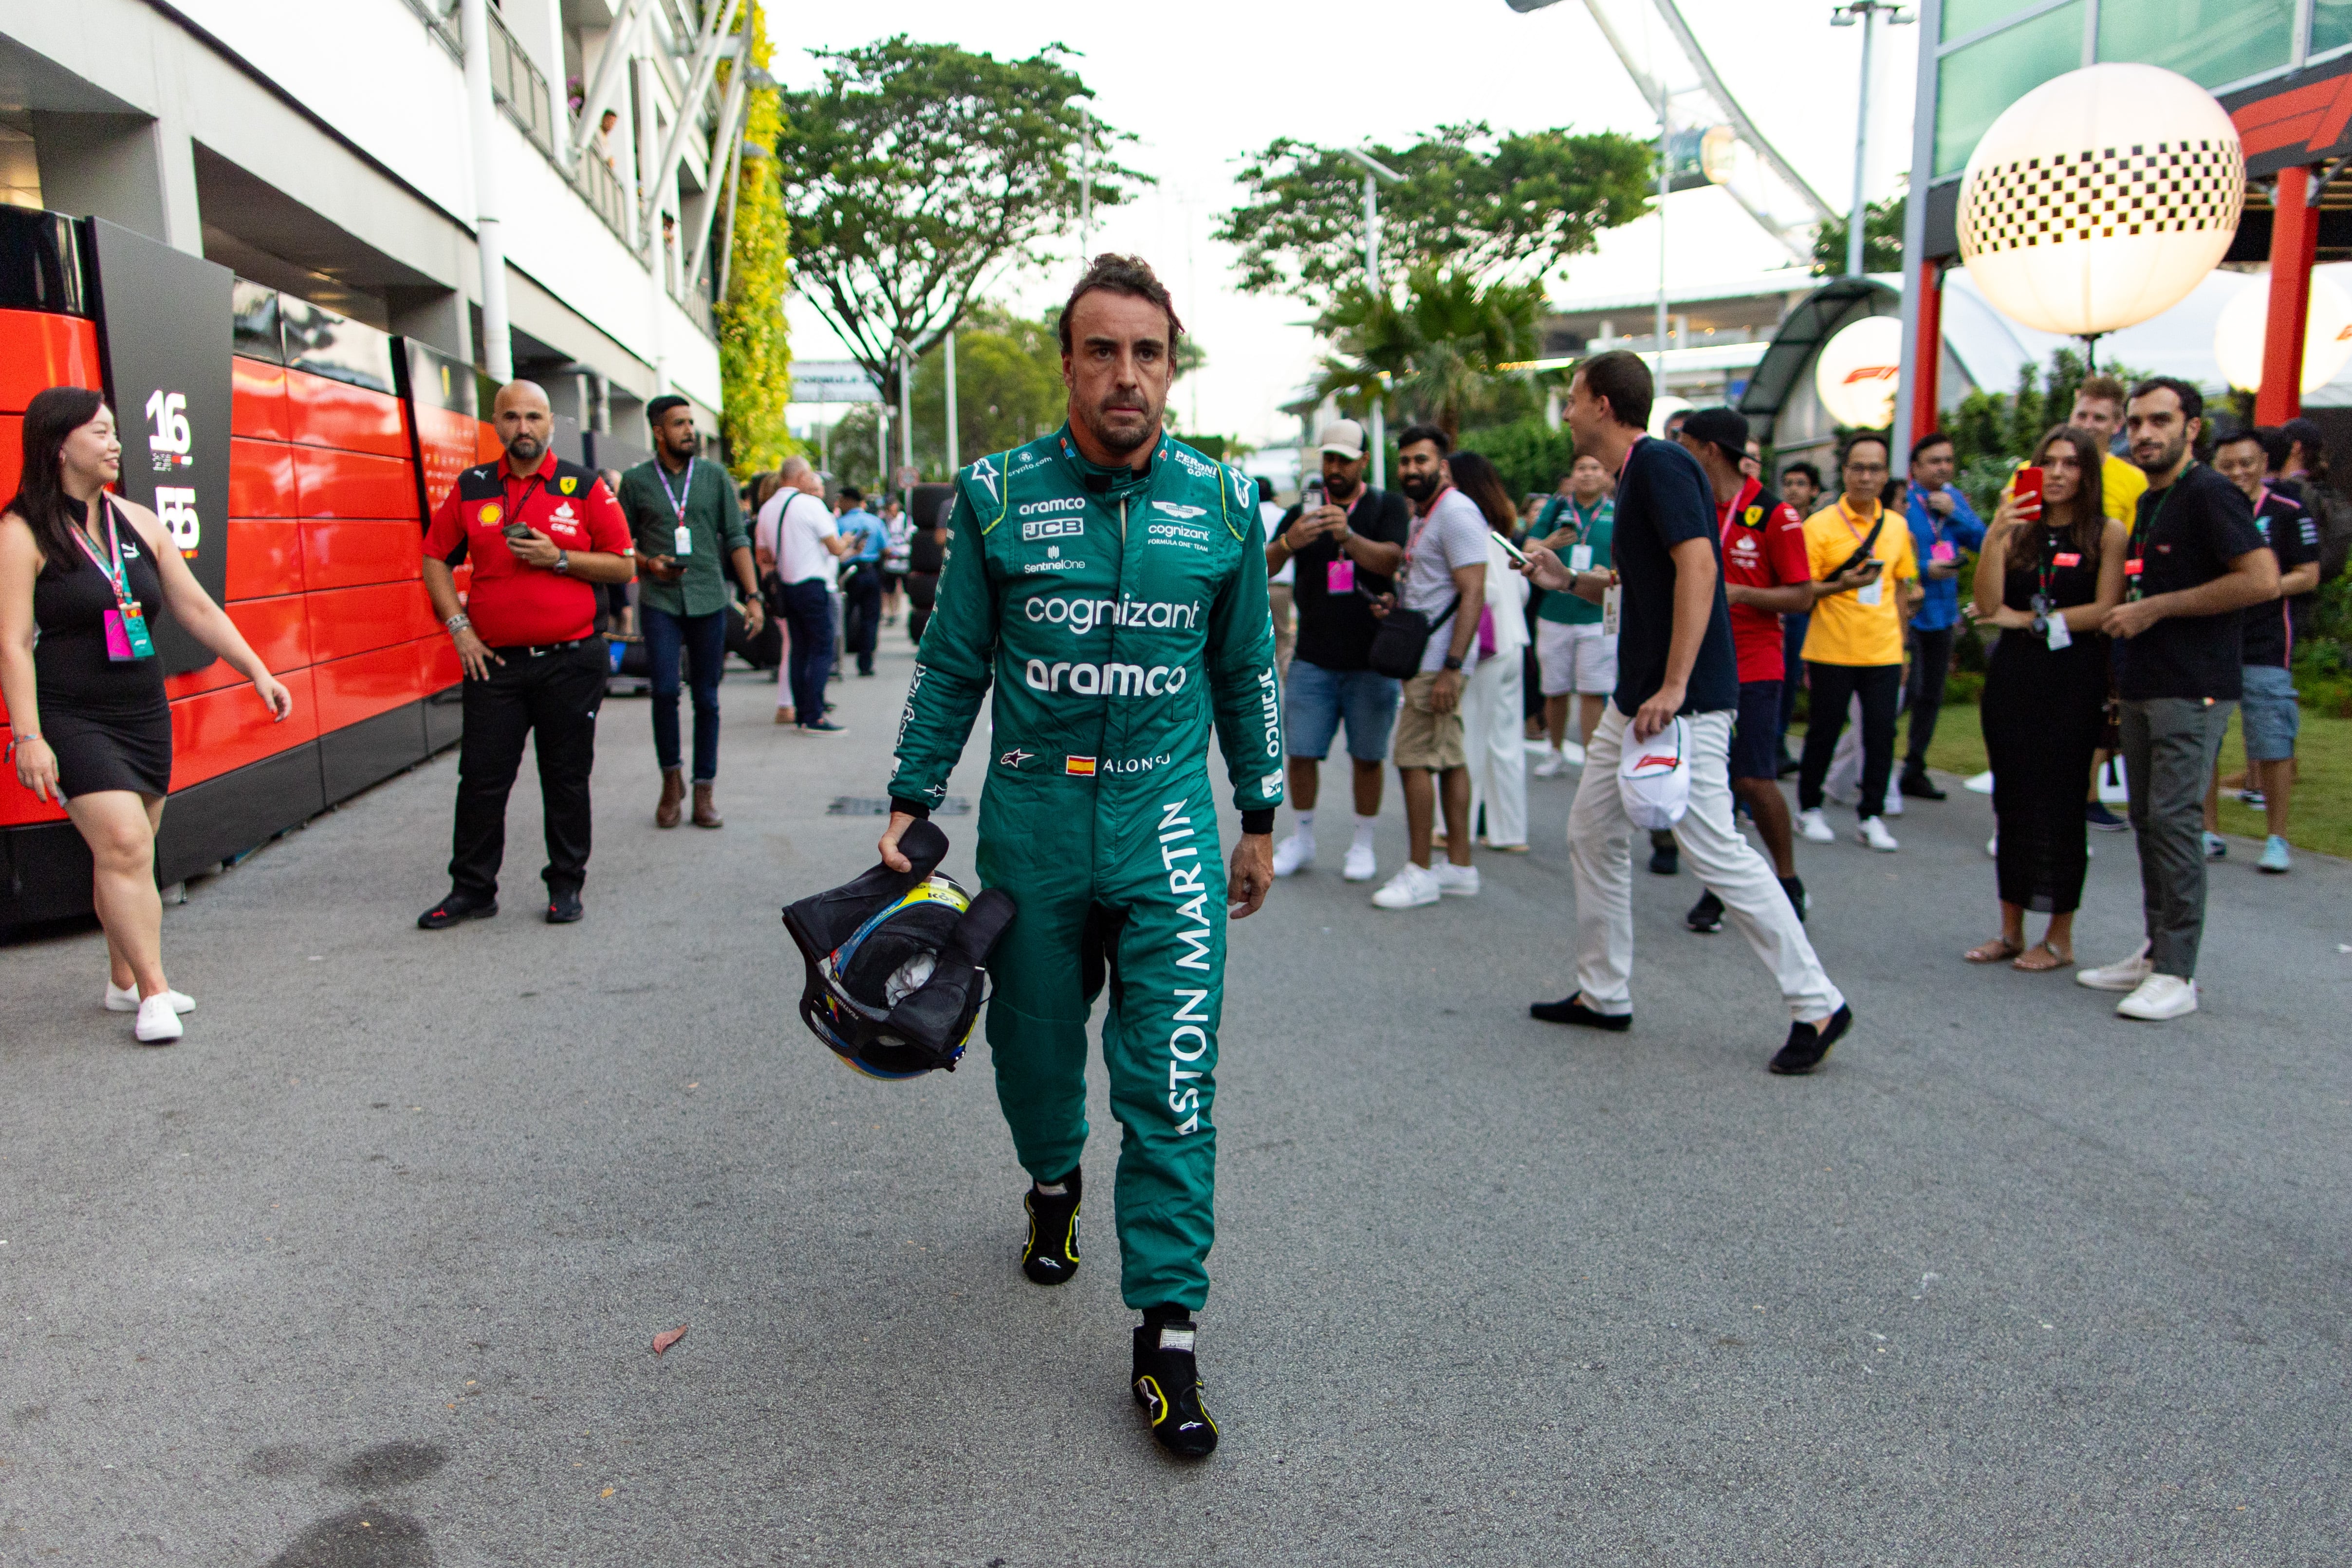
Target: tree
[[1440, 349], [1518, 204], [1008, 388], [755, 348], [1882, 240], [915, 171]]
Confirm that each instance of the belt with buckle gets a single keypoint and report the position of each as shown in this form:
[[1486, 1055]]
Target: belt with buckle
[[521, 652]]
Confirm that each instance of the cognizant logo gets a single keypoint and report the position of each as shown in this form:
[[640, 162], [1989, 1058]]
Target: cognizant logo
[[1106, 680], [1083, 615]]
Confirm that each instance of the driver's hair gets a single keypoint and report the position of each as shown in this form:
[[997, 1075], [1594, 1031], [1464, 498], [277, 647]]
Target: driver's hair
[[1129, 275]]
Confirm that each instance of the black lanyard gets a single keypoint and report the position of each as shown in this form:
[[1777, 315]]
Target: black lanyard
[[2142, 535]]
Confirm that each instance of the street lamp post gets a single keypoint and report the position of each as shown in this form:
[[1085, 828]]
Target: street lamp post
[[1867, 13], [953, 461], [1374, 172]]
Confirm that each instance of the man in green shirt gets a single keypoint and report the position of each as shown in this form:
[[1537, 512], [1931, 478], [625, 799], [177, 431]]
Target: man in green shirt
[[1574, 652], [684, 518]]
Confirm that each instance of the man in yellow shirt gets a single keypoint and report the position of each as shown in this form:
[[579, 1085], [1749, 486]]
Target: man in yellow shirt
[[1854, 648]]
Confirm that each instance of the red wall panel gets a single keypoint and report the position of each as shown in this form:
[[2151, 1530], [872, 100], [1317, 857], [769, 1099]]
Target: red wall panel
[[264, 557], [347, 418], [260, 480], [226, 730], [365, 685], [347, 554], [39, 350], [276, 629], [12, 453], [438, 666], [17, 802], [448, 440], [487, 448], [257, 401], [347, 621], [352, 484], [192, 682]]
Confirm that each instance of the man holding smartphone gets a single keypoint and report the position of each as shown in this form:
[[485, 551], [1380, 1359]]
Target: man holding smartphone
[[1344, 542]]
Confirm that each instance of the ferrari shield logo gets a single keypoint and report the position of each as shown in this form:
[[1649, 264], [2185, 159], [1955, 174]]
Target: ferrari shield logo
[[567, 484]]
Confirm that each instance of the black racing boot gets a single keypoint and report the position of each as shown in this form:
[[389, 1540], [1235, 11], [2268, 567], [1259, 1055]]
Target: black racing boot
[[1167, 1384], [1052, 1255]]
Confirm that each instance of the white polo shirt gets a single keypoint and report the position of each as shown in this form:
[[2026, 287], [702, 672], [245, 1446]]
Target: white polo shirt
[[794, 527]]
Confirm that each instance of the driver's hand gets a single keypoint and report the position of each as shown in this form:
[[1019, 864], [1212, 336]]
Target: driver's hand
[[900, 822], [1249, 876]]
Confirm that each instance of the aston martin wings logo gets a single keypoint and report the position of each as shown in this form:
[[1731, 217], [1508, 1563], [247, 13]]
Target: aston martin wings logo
[[985, 472], [1177, 509]]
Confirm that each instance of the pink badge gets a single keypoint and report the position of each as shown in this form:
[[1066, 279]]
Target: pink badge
[[1940, 550], [1339, 577]]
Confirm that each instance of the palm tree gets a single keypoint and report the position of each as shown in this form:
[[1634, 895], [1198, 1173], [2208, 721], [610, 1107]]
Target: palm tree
[[1438, 351]]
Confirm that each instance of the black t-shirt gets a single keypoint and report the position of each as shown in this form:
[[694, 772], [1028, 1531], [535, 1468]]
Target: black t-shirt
[[2184, 536], [1663, 499], [1335, 630], [2293, 536]]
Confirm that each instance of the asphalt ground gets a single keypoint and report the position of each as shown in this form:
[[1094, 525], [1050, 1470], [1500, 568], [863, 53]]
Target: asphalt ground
[[364, 1271]]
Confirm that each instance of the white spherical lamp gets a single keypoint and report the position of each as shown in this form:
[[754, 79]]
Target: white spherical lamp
[[1664, 407], [2326, 337], [1858, 370], [2100, 198]]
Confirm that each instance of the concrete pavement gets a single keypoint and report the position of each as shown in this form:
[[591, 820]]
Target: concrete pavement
[[364, 1271]]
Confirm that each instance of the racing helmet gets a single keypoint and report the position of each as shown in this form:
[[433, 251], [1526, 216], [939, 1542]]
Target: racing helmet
[[896, 962]]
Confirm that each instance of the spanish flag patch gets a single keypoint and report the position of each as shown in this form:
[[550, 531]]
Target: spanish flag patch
[[1078, 766]]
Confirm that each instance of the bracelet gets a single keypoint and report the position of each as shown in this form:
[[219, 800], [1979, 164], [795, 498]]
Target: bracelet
[[16, 740], [457, 622]]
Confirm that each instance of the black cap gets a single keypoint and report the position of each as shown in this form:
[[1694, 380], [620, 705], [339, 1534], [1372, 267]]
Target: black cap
[[662, 405], [2307, 432], [1725, 427]]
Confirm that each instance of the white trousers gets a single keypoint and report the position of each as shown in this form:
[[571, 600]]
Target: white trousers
[[1600, 852], [1494, 720]]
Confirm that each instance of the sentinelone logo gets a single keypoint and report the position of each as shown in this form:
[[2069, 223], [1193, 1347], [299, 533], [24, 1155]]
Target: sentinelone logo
[[1083, 615]]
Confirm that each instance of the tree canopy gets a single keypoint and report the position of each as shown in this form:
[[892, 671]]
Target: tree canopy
[[1440, 347], [1882, 240], [1517, 204], [755, 348], [916, 171]]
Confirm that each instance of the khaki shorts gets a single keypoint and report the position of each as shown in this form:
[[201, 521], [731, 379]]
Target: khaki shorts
[[1426, 739]]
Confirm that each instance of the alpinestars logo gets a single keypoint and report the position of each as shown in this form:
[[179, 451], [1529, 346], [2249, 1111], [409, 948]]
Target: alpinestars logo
[[985, 471], [1015, 757]]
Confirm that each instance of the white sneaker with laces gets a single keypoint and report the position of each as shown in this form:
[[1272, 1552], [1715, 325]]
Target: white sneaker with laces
[[1553, 765], [158, 1024], [1816, 829], [1297, 851], [2160, 997], [2123, 975], [1873, 834], [125, 999], [1410, 889], [1456, 881], [1360, 865]]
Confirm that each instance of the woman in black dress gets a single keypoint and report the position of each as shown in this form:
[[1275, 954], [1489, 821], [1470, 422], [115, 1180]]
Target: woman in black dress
[[83, 576], [2046, 577]]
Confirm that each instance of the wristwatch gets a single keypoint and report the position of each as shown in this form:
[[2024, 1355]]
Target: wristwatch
[[562, 563], [1455, 665]]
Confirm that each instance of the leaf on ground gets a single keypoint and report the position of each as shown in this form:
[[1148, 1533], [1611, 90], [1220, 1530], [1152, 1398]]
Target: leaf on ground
[[669, 1337], [608, 1491]]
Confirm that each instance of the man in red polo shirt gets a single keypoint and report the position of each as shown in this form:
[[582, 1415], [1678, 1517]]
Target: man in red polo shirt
[[1766, 575], [542, 534]]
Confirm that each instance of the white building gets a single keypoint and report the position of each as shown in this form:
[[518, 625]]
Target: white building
[[328, 152]]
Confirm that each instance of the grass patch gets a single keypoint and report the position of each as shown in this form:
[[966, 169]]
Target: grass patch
[[2321, 820]]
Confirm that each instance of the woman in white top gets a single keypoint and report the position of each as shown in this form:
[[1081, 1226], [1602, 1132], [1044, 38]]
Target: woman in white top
[[1494, 701]]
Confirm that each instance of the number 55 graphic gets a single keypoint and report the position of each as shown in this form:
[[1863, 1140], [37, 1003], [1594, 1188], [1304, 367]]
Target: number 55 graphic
[[167, 413], [176, 508]]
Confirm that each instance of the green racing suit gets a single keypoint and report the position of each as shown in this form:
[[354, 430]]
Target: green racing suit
[[1119, 615]]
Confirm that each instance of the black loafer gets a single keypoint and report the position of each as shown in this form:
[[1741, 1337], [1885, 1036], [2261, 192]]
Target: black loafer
[[1919, 787], [564, 907], [1571, 1008], [1706, 917], [453, 909], [1808, 1043], [1167, 1384]]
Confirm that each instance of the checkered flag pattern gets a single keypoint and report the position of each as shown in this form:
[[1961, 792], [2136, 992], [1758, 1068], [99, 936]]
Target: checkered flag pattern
[[2152, 188]]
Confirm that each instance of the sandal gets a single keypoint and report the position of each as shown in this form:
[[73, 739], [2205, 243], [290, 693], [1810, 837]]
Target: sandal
[[1993, 952], [2057, 960]]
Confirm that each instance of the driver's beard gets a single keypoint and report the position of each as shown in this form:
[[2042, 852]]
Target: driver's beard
[[1118, 444]]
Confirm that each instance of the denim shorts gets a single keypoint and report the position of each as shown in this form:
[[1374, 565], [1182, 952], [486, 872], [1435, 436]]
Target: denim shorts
[[1316, 699], [2269, 713]]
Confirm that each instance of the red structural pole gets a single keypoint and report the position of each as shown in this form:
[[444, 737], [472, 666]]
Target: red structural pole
[[2295, 244], [1927, 349]]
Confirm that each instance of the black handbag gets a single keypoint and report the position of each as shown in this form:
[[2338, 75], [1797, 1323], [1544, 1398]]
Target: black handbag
[[1402, 639]]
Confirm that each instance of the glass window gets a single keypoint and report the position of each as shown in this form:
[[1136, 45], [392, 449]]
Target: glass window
[[1975, 84], [1962, 17], [2331, 24], [2208, 41]]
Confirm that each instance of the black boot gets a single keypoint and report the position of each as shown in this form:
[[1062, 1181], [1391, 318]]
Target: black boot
[[1052, 1255], [1167, 1384]]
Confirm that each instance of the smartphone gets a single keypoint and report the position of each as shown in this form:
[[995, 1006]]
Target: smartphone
[[2026, 487], [1310, 497], [1514, 552]]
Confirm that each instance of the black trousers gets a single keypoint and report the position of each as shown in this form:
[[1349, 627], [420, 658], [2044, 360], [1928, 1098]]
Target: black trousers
[[554, 699], [861, 611], [1923, 696], [1880, 687]]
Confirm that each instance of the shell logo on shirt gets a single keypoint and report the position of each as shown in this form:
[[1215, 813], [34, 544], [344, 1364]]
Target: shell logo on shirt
[[490, 514]]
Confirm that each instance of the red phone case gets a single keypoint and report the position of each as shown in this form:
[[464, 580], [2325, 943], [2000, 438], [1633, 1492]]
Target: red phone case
[[2027, 488]]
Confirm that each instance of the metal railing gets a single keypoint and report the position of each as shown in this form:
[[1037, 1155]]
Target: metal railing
[[520, 89]]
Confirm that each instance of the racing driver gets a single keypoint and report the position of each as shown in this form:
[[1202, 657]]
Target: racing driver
[[1111, 582]]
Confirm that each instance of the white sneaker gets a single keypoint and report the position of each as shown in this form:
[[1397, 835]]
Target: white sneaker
[[1815, 829], [1873, 834], [1573, 752], [125, 999], [1893, 806], [1456, 881], [2123, 975], [158, 1024], [2160, 997], [1360, 866], [1554, 764], [1992, 847], [1409, 889], [1297, 851]]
